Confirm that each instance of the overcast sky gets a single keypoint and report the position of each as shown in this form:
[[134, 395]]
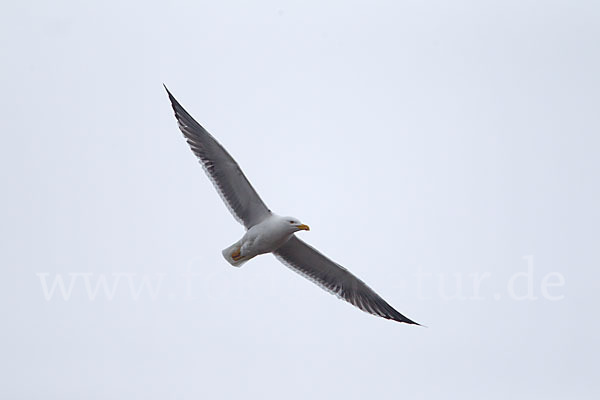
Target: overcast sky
[[446, 152]]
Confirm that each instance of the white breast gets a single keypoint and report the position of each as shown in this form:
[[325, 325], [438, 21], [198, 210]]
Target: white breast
[[266, 236]]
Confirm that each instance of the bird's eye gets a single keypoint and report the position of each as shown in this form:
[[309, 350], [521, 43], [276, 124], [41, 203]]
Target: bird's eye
[[291, 221]]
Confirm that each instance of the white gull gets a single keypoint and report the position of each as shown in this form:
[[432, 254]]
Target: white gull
[[267, 232]]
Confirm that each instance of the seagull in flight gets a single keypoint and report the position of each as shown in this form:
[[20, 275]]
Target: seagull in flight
[[267, 232]]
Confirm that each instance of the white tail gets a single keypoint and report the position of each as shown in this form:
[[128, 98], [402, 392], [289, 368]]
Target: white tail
[[230, 251]]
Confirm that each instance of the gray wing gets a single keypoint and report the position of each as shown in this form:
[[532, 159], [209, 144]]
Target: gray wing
[[232, 185], [334, 278]]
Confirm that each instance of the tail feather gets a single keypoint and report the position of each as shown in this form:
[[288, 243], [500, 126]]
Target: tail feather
[[228, 255]]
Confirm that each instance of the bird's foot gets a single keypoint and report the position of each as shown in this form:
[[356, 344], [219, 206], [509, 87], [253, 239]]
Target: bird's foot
[[236, 255]]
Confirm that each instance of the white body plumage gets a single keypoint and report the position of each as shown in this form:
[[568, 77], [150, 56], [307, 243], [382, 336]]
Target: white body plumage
[[264, 237]]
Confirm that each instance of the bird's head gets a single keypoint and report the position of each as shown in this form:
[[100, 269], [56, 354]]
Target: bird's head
[[295, 225]]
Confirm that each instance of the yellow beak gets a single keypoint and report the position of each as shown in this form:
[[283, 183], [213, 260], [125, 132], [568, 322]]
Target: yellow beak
[[303, 227]]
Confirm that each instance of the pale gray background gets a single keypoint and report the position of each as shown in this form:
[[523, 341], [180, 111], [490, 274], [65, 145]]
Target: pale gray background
[[450, 137]]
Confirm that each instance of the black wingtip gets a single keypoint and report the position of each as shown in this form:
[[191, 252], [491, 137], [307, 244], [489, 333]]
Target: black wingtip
[[169, 93], [401, 318], [409, 321], [175, 105]]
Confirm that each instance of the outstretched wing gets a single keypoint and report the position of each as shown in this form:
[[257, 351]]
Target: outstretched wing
[[334, 278], [232, 185]]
